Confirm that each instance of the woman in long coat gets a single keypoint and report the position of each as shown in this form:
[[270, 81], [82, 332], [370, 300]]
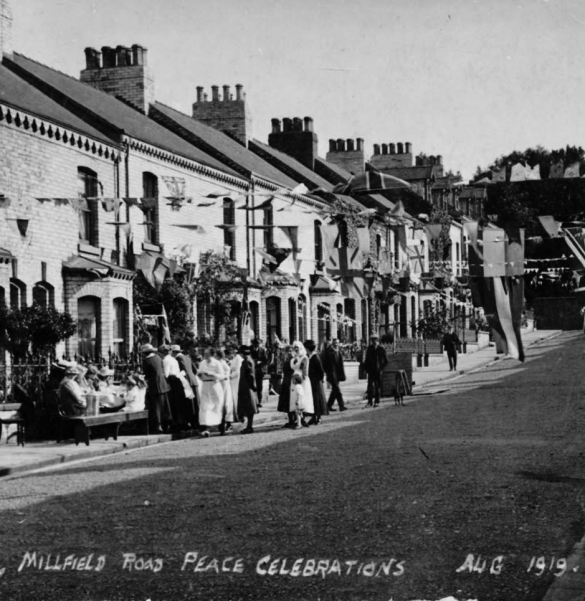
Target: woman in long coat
[[300, 365], [247, 392], [316, 375], [229, 409], [284, 396], [211, 404]]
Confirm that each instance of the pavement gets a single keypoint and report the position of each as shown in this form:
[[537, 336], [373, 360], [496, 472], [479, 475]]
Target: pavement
[[15, 460]]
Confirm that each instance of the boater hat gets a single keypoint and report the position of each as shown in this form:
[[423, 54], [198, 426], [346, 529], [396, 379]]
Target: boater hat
[[147, 348], [175, 348]]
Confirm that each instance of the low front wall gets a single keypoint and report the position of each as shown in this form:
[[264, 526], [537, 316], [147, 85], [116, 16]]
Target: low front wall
[[352, 369]]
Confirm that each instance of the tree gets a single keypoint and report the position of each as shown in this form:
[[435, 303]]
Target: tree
[[34, 329], [432, 324]]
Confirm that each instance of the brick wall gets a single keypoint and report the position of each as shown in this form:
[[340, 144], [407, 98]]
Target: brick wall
[[5, 28]]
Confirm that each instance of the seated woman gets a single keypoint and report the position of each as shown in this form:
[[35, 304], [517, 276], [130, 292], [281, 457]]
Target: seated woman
[[108, 400], [71, 398], [134, 394]]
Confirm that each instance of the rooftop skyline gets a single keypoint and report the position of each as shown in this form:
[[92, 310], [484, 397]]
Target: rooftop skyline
[[469, 80]]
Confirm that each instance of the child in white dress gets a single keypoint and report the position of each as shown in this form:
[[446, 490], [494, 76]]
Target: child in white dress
[[297, 399]]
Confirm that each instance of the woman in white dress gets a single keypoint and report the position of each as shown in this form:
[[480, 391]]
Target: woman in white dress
[[300, 365], [211, 405], [235, 360], [228, 398]]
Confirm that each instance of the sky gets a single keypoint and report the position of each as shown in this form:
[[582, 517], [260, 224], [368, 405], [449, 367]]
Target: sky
[[467, 79]]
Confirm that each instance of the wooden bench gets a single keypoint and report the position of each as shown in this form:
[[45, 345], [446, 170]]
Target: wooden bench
[[82, 424]]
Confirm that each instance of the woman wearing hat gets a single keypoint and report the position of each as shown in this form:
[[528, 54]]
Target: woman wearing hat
[[316, 375], [107, 399], [247, 390], [211, 403], [71, 398], [285, 388], [300, 366]]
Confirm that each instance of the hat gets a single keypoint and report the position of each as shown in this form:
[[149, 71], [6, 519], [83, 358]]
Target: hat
[[310, 345], [244, 348], [374, 337], [164, 348], [175, 348], [72, 371], [147, 348], [105, 372], [92, 370]]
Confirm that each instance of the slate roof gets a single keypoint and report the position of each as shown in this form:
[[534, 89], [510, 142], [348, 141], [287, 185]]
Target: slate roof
[[19, 94], [473, 193], [107, 110], [331, 172], [410, 174], [289, 165], [218, 144]]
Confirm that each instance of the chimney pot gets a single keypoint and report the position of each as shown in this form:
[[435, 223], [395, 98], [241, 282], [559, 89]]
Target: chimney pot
[[122, 56], [392, 148], [287, 124], [138, 55], [439, 160], [214, 93], [419, 161], [205, 97], [275, 126], [109, 57], [226, 93], [376, 149], [92, 58], [332, 146], [384, 148], [239, 92], [360, 144], [408, 147], [199, 93], [350, 145], [297, 124], [308, 123], [340, 145], [400, 148]]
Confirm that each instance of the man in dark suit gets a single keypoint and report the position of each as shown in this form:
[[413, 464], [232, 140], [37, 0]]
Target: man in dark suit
[[260, 357], [374, 364], [335, 371], [186, 365], [157, 389]]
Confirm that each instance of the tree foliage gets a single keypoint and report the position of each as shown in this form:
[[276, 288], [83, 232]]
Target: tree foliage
[[34, 329], [432, 324]]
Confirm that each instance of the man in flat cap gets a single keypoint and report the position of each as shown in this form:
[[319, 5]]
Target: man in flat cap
[[374, 364]]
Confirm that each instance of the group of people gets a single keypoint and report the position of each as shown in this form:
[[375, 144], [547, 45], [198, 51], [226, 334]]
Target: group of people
[[221, 387]]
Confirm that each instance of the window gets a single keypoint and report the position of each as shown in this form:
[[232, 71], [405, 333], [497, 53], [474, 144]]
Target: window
[[292, 320], [378, 246], [88, 220], [349, 310], [318, 241], [269, 231], [203, 317], [150, 207], [301, 308], [364, 319], [272, 319], [340, 320], [254, 317], [17, 294], [323, 322], [229, 235], [88, 328], [43, 295], [120, 327], [2, 297], [413, 316]]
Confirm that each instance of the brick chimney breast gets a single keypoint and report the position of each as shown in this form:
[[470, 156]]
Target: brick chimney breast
[[121, 72], [297, 139], [349, 154]]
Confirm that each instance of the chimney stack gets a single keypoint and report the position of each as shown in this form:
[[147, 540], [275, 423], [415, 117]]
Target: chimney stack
[[214, 93], [6, 48], [200, 93], [121, 72], [392, 148], [275, 126], [360, 144], [226, 93], [349, 154], [376, 149], [297, 139]]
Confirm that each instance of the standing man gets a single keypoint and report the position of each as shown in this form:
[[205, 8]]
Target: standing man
[[451, 343], [375, 362], [186, 366], [335, 371], [157, 389], [260, 357]]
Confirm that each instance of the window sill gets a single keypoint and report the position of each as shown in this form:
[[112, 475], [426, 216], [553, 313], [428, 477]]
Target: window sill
[[88, 249], [149, 246]]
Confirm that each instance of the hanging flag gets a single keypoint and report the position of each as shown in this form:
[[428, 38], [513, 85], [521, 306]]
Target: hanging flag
[[363, 234], [265, 255], [433, 230], [572, 170], [147, 264], [550, 225], [385, 263], [557, 170], [175, 185], [227, 227], [509, 295], [494, 253], [125, 227], [107, 204], [263, 205], [300, 189], [131, 201], [533, 173], [330, 235], [166, 329], [401, 233], [416, 256], [298, 263], [159, 274], [518, 173], [514, 251], [130, 256], [205, 204], [148, 204], [292, 233]]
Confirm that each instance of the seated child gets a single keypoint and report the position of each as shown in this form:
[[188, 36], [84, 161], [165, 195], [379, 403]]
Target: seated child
[[135, 392]]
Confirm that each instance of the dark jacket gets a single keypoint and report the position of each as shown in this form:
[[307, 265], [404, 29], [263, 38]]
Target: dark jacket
[[376, 360], [451, 342], [247, 397], [333, 365], [154, 375], [186, 365], [316, 374]]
